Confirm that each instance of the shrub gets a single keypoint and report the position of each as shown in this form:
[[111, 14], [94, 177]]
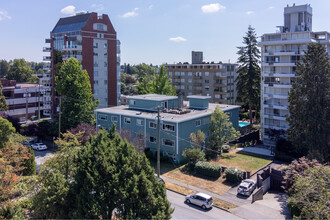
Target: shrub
[[208, 169], [233, 175], [193, 156], [30, 165], [225, 148], [11, 211]]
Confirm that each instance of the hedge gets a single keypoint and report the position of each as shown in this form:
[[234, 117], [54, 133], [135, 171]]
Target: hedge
[[208, 169], [234, 175]]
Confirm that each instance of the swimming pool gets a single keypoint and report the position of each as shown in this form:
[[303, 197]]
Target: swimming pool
[[243, 124]]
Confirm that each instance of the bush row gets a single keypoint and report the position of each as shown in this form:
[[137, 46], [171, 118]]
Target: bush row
[[234, 175], [208, 169]]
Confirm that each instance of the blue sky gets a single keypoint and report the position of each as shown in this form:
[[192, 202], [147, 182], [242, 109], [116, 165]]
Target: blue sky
[[152, 31]]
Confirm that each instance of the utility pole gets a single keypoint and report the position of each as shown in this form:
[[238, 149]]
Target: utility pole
[[158, 141], [26, 95], [59, 119]]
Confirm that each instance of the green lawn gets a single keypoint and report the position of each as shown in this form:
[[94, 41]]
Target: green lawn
[[241, 161]]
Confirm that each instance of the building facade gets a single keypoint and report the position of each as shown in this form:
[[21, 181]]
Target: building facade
[[24, 100], [92, 40], [280, 52], [140, 118], [216, 80]]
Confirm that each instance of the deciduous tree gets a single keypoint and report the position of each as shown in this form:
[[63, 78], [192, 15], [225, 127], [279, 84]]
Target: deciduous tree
[[6, 130], [161, 84], [72, 83], [197, 140], [3, 104], [248, 79], [20, 71], [221, 130], [309, 104]]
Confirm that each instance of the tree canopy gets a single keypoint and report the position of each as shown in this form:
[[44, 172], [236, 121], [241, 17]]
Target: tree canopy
[[6, 130], [221, 130], [20, 71], [248, 79], [73, 84], [3, 103], [104, 178], [309, 104], [4, 66]]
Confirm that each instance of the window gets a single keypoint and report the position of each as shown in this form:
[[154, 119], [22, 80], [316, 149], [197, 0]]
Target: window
[[168, 127], [152, 139], [198, 123], [96, 54], [182, 73], [169, 73], [114, 118], [206, 73], [95, 45], [103, 117], [152, 125], [96, 82], [96, 73], [189, 80], [127, 120], [168, 142], [105, 64], [105, 45], [96, 92], [207, 81], [207, 87], [139, 122], [132, 102], [189, 73], [105, 55]]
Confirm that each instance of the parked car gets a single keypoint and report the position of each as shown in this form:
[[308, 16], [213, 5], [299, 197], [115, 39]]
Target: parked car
[[246, 187], [39, 146], [200, 199]]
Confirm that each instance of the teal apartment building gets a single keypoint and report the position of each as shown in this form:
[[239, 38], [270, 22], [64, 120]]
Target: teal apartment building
[[178, 120]]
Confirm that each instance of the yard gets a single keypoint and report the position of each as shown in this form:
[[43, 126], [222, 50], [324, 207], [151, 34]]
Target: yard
[[241, 161], [220, 185]]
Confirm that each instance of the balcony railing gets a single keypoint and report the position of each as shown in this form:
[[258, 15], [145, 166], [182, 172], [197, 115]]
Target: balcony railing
[[72, 47], [47, 58], [46, 49], [78, 57]]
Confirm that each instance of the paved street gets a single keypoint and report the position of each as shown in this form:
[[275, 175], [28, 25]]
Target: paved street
[[185, 211], [42, 156]]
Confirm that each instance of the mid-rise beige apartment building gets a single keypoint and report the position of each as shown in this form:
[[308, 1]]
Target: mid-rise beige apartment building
[[216, 80]]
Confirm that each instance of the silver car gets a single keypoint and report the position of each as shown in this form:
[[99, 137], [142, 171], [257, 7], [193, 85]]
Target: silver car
[[39, 146], [200, 199], [246, 187]]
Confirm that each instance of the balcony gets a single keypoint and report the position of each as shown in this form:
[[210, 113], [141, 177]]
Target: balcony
[[275, 116], [72, 48], [279, 74], [220, 85], [48, 41], [276, 96], [46, 49], [275, 126], [288, 63], [220, 100], [219, 77], [47, 67], [176, 77], [197, 84], [176, 83], [197, 77], [275, 105], [47, 58], [278, 84], [219, 92], [197, 92], [78, 57]]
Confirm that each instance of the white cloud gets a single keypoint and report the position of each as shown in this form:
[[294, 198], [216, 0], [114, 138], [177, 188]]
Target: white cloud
[[97, 7], [271, 7], [211, 8], [4, 15], [250, 12], [177, 39], [69, 10], [131, 13]]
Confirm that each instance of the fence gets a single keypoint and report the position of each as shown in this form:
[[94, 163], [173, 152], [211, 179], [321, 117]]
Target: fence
[[258, 195]]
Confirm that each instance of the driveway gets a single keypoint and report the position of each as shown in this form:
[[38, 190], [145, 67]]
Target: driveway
[[42, 156], [185, 211]]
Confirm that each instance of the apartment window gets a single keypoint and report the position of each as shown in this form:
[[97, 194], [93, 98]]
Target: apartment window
[[132, 102], [207, 73], [105, 45], [96, 64], [189, 73], [95, 45], [103, 117], [182, 73], [139, 122], [96, 54], [168, 142], [96, 82], [182, 87], [189, 80], [170, 73], [127, 120], [168, 127], [105, 82], [152, 139], [207, 87], [207, 81], [182, 80], [96, 92], [152, 125], [198, 123], [114, 118], [105, 64]]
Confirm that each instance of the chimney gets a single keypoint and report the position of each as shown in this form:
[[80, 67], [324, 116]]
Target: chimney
[[180, 100]]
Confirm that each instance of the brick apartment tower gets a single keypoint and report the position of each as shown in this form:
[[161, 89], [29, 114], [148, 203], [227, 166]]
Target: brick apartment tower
[[92, 40]]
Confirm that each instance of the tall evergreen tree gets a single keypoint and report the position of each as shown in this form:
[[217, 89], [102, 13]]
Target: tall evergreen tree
[[248, 80], [72, 83], [3, 103], [309, 104], [4, 66], [221, 130]]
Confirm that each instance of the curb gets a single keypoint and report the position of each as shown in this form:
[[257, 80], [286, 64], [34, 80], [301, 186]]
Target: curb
[[186, 195]]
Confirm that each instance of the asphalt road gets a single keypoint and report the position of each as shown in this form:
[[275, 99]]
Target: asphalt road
[[185, 211]]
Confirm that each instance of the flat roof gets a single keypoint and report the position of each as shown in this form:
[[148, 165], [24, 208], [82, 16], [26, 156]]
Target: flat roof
[[153, 97], [175, 118], [198, 97], [22, 85]]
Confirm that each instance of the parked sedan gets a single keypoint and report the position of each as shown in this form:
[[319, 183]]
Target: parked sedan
[[200, 199], [246, 187], [39, 146]]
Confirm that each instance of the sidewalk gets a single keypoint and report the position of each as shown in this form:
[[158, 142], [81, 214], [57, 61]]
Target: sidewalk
[[224, 197]]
